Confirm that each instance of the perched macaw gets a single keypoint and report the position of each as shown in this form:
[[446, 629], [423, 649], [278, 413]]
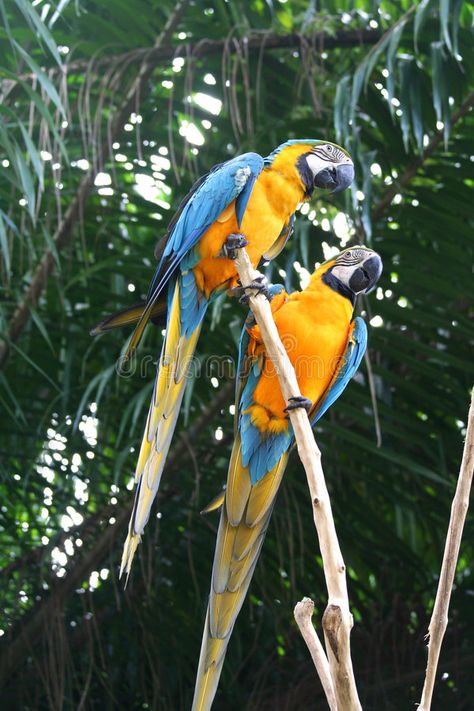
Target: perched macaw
[[247, 201], [325, 345]]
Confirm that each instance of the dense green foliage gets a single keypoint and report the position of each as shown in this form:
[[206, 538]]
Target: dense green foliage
[[392, 82]]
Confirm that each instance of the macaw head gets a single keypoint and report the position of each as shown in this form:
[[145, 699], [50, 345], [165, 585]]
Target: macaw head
[[319, 164], [356, 269]]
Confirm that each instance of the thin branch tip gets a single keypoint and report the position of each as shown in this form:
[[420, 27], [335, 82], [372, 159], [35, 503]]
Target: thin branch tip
[[439, 617]]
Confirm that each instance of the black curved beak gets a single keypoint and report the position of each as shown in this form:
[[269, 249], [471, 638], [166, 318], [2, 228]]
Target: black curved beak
[[336, 178], [365, 278]]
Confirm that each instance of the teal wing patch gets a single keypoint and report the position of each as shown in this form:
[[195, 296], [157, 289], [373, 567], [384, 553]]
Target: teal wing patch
[[355, 350], [260, 450]]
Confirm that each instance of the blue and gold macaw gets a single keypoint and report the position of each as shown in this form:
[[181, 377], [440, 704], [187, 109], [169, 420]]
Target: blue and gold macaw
[[247, 201], [325, 345]]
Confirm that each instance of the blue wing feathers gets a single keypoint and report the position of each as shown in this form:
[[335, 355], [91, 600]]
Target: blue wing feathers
[[352, 358], [192, 304], [243, 198], [210, 199], [222, 185], [259, 454], [200, 208]]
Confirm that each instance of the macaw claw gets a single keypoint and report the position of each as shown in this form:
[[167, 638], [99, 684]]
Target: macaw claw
[[260, 285], [232, 244], [299, 401]]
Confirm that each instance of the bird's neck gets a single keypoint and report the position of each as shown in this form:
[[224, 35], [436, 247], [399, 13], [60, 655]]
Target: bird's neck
[[323, 290], [336, 285], [283, 186]]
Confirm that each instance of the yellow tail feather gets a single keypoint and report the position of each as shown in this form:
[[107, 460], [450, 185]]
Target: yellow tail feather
[[215, 504], [130, 315], [170, 383], [239, 541]]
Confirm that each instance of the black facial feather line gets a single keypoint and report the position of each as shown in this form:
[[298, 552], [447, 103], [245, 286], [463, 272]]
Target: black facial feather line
[[347, 259], [330, 156]]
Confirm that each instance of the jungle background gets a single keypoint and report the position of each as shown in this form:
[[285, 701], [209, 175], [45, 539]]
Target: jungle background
[[108, 115]]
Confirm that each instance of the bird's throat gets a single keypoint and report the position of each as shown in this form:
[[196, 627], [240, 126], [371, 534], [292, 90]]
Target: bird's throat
[[336, 285], [284, 189]]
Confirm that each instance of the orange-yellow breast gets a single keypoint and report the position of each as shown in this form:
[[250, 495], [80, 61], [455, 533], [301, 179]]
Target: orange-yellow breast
[[275, 196], [314, 327]]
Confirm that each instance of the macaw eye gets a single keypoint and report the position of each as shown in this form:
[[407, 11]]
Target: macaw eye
[[329, 148]]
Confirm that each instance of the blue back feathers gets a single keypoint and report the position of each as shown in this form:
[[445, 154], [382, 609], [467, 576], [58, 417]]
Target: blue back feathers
[[229, 181]]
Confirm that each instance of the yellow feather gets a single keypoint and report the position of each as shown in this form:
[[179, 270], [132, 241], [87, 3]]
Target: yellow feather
[[239, 485], [244, 540], [184, 355], [129, 549], [145, 496], [215, 504], [142, 457], [215, 652], [223, 610], [129, 315], [263, 493], [209, 670], [152, 474], [176, 355], [239, 541], [223, 554], [242, 568]]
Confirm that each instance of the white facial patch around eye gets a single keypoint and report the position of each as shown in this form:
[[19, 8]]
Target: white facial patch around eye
[[317, 164], [343, 273]]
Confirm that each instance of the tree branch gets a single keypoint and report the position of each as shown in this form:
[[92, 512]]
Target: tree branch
[[63, 233], [439, 618], [303, 612], [204, 48], [337, 619]]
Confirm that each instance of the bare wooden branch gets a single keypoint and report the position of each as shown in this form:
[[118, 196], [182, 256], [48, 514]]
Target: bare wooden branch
[[337, 619], [303, 612], [253, 41], [439, 618]]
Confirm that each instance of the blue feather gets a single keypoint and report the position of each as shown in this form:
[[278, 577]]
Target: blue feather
[[223, 185], [261, 451], [242, 201], [193, 304], [352, 358]]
